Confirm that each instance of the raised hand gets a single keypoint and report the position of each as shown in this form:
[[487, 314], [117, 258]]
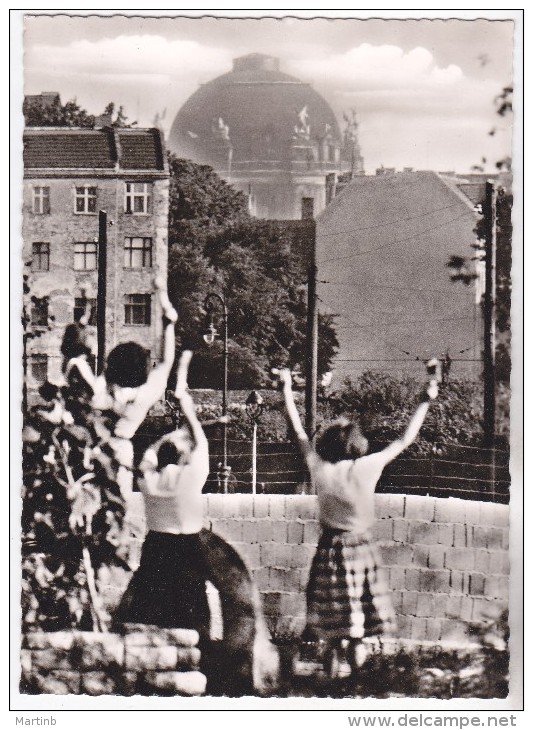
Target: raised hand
[[168, 310]]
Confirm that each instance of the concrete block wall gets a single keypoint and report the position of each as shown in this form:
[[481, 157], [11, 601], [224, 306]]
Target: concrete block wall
[[146, 660], [446, 560]]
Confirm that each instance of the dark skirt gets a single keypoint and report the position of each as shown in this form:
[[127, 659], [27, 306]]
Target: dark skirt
[[347, 594], [168, 589]]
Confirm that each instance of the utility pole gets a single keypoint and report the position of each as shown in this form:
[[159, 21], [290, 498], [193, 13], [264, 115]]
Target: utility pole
[[311, 374], [101, 292], [489, 402]]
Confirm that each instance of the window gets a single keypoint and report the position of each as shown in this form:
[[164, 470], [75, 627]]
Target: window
[[85, 199], [137, 197], [40, 256], [39, 313], [137, 253], [79, 309], [137, 309], [39, 368], [85, 256], [41, 200]]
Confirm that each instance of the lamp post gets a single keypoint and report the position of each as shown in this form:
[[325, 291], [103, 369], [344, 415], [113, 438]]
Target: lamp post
[[254, 409], [210, 303]]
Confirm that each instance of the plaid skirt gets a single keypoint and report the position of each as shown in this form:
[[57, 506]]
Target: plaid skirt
[[347, 595]]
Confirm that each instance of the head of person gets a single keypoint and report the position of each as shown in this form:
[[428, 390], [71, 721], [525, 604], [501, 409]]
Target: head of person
[[342, 440], [76, 342], [127, 365], [175, 449]]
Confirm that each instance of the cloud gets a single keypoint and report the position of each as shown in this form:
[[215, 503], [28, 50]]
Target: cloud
[[384, 67], [128, 56]]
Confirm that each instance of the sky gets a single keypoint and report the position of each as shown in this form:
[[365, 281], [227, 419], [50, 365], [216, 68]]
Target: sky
[[423, 90]]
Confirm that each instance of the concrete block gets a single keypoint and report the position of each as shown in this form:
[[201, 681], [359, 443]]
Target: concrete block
[[453, 608], [274, 555], [480, 536], [425, 605], [472, 512], [467, 606], [239, 505], [105, 650], [433, 629], [396, 597], [497, 587], [412, 579], [53, 639], [276, 506], [449, 509], [139, 658], [396, 505], [495, 562], [261, 577], [271, 602], [295, 532], [404, 624], [292, 604], [279, 531], [419, 507], [418, 628], [59, 682], [469, 535], [454, 631], [383, 530], [311, 532], [409, 601], [459, 535], [397, 554], [97, 683], [505, 539], [382, 505], [445, 534], [434, 581], [188, 684], [216, 505], [301, 556], [476, 584], [229, 529], [51, 658], [458, 581], [459, 559], [300, 506], [396, 577], [423, 532], [420, 555], [400, 530], [436, 556], [495, 538], [261, 503], [251, 554], [441, 604], [500, 515], [482, 561]]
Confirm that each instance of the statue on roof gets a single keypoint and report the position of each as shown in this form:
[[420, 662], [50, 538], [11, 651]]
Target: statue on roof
[[302, 129]]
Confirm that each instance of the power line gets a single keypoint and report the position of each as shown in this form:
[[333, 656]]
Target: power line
[[392, 243]]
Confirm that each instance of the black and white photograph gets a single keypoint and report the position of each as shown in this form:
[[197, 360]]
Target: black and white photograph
[[266, 293]]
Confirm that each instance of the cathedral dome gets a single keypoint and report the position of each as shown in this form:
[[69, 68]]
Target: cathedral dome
[[254, 117]]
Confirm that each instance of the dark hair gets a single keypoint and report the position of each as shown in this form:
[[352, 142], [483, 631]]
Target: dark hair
[[167, 454], [340, 441], [127, 365], [74, 342]]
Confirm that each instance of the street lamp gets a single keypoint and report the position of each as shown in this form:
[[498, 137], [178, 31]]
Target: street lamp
[[213, 300], [254, 409]]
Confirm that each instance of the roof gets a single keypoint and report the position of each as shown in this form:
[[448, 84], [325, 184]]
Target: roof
[[60, 148], [383, 245], [259, 105]]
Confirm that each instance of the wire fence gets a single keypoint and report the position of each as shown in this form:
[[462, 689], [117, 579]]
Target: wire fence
[[469, 472]]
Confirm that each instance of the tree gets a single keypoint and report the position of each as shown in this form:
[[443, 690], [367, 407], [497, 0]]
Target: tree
[[54, 114]]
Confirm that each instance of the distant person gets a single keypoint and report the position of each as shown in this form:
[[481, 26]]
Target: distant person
[[347, 595], [226, 480]]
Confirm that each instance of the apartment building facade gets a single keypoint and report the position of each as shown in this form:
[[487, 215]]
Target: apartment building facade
[[70, 176]]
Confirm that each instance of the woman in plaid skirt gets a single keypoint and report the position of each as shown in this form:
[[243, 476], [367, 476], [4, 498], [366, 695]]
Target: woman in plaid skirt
[[347, 595]]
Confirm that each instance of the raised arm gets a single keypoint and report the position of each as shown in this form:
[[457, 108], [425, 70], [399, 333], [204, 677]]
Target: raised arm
[[185, 400], [292, 412], [157, 379], [411, 432]]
